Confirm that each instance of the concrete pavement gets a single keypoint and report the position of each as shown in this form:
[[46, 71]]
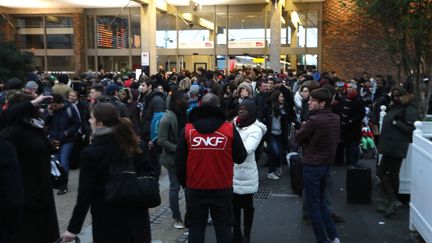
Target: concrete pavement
[[277, 215]]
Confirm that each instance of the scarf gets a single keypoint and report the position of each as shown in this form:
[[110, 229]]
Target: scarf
[[102, 131]]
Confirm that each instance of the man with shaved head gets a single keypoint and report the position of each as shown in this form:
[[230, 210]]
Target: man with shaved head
[[204, 163]]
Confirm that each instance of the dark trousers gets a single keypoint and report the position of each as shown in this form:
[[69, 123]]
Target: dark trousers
[[198, 205], [242, 202], [388, 173], [352, 152], [275, 149], [314, 183]]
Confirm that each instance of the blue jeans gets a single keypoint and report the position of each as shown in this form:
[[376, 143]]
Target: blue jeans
[[326, 196], [64, 155], [174, 194], [275, 152], [314, 183]]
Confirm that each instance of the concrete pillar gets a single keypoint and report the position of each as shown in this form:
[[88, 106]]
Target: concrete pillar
[[275, 37], [294, 43], [148, 33], [79, 42]]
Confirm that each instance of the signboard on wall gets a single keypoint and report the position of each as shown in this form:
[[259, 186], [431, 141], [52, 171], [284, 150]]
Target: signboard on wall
[[196, 45], [246, 44], [145, 59]]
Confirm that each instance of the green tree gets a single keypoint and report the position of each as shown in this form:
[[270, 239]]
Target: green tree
[[408, 30], [14, 62]]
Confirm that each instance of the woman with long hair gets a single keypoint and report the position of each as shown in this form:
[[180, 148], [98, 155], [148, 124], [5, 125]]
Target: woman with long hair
[[114, 142], [276, 119]]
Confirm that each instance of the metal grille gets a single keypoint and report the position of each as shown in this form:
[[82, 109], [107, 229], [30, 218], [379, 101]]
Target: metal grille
[[262, 194]]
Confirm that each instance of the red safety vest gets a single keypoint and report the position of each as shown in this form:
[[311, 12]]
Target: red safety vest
[[209, 163]]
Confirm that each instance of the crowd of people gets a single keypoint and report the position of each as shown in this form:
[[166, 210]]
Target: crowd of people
[[207, 128]]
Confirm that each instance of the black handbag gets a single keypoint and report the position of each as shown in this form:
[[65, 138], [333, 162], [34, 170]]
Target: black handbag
[[127, 188], [58, 174]]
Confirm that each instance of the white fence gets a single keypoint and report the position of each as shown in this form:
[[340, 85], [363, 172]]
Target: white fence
[[421, 181]]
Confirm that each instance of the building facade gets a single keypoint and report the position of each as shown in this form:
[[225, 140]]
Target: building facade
[[306, 35]]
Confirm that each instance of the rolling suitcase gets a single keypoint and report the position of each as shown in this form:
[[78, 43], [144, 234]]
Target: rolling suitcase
[[296, 173], [359, 185]]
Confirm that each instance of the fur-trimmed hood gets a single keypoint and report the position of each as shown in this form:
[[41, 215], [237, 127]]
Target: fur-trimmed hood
[[406, 98]]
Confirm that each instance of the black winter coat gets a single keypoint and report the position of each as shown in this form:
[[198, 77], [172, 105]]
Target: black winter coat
[[11, 192], [33, 148], [351, 119], [110, 224], [64, 125]]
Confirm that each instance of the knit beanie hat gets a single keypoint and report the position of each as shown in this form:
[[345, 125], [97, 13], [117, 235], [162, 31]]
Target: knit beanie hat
[[252, 109], [32, 85]]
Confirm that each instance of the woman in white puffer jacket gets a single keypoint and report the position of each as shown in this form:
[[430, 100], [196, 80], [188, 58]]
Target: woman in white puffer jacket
[[246, 174]]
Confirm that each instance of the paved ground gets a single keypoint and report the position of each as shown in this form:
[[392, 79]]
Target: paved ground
[[277, 217]]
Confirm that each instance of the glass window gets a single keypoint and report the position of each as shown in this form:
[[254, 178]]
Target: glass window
[[246, 27], [312, 29], [29, 32], [29, 41], [136, 62], [166, 36], [91, 62], [90, 32], [135, 28], [60, 63], [59, 32], [113, 63], [58, 21], [112, 32], [221, 30], [198, 31], [29, 22], [64, 41]]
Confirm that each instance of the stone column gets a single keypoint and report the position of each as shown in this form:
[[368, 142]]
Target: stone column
[[79, 42], [294, 43], [275, 37], [148, 33]]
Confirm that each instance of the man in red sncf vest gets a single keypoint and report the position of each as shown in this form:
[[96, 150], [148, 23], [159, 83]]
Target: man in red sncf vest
[[207, 149]]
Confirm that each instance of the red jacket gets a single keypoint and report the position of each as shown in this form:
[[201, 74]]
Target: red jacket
[[209, 163]]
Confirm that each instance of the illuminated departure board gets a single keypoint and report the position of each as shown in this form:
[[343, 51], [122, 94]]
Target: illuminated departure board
[[111, 32]]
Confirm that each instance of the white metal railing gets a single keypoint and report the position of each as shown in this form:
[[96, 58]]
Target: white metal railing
[[421, 181]]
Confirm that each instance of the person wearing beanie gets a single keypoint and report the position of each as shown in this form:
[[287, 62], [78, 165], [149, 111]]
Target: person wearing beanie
[[62, 88], [245, 182], [31, 87]]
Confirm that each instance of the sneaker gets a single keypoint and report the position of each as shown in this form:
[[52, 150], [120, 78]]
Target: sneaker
[[336, 240], [178, 224], [62, 191], [392, 209], [272, 176], [278, 171]]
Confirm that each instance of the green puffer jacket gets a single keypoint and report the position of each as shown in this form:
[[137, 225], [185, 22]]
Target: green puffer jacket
[[398, 126]]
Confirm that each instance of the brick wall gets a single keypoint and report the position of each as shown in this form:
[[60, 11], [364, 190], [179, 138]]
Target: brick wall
[[352, 43], [79, 42], [6, 31]]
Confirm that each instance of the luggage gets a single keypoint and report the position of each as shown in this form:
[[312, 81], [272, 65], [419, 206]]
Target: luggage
[[296, 172], [359, 185], [58, 174]]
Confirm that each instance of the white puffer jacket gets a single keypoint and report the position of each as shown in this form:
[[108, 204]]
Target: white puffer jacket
[[246, 173]]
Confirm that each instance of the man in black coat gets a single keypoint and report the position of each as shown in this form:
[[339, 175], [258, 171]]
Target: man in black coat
[[207, 149], [351, 123]]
